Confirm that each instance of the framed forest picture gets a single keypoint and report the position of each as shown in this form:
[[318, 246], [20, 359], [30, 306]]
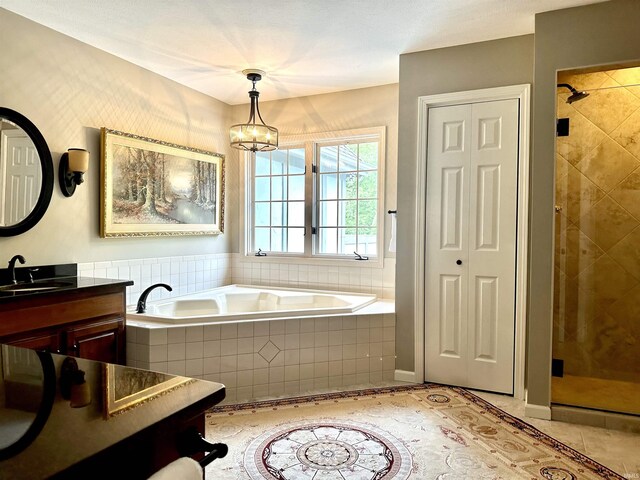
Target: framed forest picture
[[154, 188]]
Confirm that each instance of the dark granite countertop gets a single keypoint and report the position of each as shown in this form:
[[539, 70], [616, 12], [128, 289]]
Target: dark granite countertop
[[49, 280], [123, 401]]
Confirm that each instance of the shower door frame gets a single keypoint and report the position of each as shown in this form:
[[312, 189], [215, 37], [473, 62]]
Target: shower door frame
[[523, 94]]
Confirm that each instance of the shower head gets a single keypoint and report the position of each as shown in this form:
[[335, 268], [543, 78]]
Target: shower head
[[575, 95]]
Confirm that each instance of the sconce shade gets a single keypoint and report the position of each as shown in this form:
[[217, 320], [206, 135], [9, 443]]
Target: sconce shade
[[78, 160], [252, 136], [73, 164]]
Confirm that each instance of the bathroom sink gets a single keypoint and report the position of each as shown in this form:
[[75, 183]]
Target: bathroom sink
[[34, 287]]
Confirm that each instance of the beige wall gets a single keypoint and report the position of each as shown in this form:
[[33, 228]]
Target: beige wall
[[360, 108], [69, 90], [600, 34], [495, 63]]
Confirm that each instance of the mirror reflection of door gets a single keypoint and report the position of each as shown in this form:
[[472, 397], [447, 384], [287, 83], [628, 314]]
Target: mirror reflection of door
[[20, 176], [21, 391]]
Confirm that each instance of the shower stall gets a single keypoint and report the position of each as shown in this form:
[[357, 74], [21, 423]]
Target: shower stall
[[596, 324]]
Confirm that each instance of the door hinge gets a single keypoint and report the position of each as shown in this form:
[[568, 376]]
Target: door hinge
[[557, 367], [314, 169], [313, 230]]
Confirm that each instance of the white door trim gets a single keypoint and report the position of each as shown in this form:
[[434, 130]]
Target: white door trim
[[523, 94]]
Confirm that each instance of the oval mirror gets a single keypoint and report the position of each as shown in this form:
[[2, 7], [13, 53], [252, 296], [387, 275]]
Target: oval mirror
[[26, 174], [27, 392]]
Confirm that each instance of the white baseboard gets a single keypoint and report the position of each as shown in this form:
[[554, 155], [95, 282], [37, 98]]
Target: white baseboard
[[405, 376], [536, 411]]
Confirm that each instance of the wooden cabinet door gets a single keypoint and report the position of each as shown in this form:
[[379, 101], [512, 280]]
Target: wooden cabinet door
[[45, 341], [101, 340]]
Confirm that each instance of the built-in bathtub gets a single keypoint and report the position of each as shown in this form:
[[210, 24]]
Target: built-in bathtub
[[244, 302], [263, 341]]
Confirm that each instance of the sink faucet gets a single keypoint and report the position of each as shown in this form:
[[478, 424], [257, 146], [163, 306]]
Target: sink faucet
[[12, 267], [142, 301]]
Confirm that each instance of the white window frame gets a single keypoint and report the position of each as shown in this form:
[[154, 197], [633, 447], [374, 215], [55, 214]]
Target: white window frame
[[310, 143]]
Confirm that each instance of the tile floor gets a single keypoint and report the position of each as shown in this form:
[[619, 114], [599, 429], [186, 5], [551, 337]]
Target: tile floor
[[620, 451]]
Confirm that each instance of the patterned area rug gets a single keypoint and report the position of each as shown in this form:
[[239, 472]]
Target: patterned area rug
[[414, 432]]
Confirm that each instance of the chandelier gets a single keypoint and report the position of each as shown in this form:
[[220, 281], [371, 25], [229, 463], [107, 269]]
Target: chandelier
[[252, 136]]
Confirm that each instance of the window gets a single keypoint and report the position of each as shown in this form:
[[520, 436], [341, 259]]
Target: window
[[318, 197]]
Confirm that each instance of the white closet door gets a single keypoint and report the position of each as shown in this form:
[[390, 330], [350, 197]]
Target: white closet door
[[446, 304], [471, 237]]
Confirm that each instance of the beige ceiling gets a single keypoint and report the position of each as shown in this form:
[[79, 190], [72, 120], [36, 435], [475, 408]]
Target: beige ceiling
[[306, 47]]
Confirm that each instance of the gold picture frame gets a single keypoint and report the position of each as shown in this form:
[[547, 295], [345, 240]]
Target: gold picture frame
[[154, 188], [126, 388]]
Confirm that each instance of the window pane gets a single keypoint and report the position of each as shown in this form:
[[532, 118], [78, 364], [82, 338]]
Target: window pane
[[278, 213], [296, 187], [278, 188], [263, 191], [295, 240], [261, 213], [261, 239], [296, 161], [348, 185], [347, 240], [328, 240], [367, 213], [347, 214], [328, 159], [278, 162], [328, 214], [262, 163], [348, 155], [367, 239], [277, 239], [328, 186], [368, 185], [368, 154], [296, 214]]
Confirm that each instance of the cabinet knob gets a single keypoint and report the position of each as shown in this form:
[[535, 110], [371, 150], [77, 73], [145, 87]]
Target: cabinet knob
[[458, 262]]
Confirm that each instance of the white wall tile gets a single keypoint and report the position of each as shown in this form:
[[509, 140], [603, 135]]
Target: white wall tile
[[176, 335], [193, 367], [229, 346], [195, 334], [158, 353], [211, 348], [194, 350], [211, 365], [176, 351]]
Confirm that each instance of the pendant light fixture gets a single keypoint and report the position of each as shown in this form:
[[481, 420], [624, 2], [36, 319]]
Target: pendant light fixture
[[252, 136]]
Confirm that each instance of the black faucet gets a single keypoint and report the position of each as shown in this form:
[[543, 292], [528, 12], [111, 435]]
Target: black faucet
[[142, 301], [12, 267]]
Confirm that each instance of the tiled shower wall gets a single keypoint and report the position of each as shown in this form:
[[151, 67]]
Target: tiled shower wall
[[597, 257], [187, 274]]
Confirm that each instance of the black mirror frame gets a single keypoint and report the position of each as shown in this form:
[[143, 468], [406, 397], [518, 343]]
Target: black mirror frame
[[46, 162]]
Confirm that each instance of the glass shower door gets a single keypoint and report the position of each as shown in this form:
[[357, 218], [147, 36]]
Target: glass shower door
[[596, 334]]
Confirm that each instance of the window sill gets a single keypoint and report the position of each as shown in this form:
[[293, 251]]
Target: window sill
[[376, 262]]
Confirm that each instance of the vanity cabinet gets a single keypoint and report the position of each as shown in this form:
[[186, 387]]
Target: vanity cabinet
[[81, 322]]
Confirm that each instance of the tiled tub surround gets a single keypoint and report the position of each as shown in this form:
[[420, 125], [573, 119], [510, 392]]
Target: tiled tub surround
[[185, 274], [345, 276], [188, 274], [273, 358]]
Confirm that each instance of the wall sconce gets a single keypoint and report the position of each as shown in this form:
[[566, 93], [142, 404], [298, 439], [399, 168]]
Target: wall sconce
[[73, 164]]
